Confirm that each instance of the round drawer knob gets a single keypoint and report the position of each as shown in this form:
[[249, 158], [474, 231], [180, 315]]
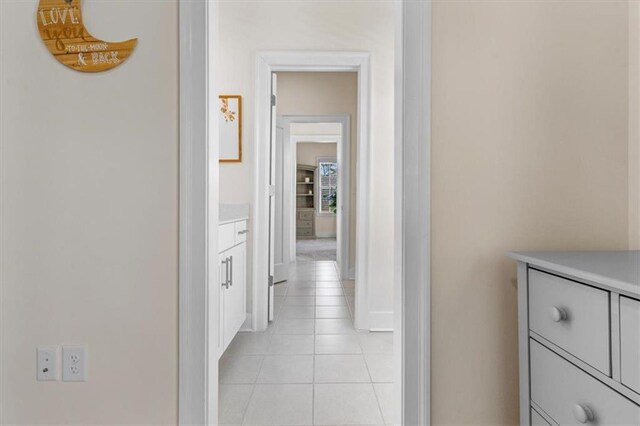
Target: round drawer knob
[[558, 314], [582, 413]]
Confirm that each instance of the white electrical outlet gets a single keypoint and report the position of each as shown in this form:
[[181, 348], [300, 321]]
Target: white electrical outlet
[[74, 364], [47, 363]]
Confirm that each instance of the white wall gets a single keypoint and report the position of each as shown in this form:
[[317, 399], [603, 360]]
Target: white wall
[[89, 196], [308, 154], [529, 152], [250, 26]]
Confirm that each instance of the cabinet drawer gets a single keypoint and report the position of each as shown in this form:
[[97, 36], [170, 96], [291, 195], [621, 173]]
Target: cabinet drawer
[[226, 236], [566, 393], [537, 419], [573, 316], [630, 343], [241, 231], [304, 232], [304, 224], [305, 215]]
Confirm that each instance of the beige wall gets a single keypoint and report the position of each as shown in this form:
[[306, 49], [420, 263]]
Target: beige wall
[[529, 152], [325, 93], [634, 125], [89, 219], [254, 25], [308, 154]]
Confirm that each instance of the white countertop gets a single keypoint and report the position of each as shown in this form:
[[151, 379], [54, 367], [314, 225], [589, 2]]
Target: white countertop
[[232, 213], [616, 270]]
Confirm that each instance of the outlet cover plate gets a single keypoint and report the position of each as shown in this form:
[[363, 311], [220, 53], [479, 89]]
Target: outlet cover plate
[[47, 363], [74, 364]]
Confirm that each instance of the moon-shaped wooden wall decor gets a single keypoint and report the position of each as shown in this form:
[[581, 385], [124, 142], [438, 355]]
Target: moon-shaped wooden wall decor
[[63, 32]]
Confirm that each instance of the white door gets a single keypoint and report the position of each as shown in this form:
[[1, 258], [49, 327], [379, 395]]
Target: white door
[[281, 261], [272, 193]]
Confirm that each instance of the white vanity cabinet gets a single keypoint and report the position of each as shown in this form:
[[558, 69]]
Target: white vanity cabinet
[[579, 337], [233, 280]]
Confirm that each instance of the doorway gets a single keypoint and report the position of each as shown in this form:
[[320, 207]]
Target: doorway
[[269, 64], [198, 377], [322, 129]]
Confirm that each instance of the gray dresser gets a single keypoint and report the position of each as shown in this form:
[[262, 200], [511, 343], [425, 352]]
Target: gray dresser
[[579, 337]]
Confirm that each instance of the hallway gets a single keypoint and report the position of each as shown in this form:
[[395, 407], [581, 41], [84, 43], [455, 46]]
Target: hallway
[[313, 250], [311, 367]]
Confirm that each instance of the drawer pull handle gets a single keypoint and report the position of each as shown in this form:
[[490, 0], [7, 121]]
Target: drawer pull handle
[[558, 314], [583, 414], [243, 232]]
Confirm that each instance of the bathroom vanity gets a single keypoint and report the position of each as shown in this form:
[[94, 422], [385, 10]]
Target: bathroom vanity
[[232, 247], [579, 337]]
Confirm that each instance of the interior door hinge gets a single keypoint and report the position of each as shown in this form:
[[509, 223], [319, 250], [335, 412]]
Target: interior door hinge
[[270, 280], [272, 190], [273, 100]]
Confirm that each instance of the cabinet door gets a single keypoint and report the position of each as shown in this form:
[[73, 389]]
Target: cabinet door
[[223, 275], [234, 296]]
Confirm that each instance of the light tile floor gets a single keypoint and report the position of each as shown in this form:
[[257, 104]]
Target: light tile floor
[[311, 367]]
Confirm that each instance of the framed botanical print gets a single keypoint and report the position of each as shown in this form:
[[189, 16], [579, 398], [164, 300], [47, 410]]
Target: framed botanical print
[[230, 128]]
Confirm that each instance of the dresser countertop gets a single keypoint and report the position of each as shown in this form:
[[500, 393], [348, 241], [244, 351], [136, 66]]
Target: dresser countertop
[[614, 270]]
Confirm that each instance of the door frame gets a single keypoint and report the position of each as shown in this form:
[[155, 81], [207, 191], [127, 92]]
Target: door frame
[[343, 142], [266, 63], [199, 178], [199, 200], [286, 261]]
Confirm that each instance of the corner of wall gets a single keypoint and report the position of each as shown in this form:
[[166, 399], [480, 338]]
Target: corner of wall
[[634, 125]]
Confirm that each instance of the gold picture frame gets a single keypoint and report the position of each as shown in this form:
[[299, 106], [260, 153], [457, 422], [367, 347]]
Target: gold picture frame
[[230, 128]]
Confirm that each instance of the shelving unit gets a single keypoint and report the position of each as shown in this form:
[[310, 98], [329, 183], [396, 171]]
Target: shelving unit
[[305, 202]]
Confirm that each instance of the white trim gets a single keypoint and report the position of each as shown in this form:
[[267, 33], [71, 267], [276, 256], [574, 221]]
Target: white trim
[[323, 159], [246, 326], [344, 163], [315, 138], [382, 320], [198, 330], [326, 235], [412, 211], [274, 61]]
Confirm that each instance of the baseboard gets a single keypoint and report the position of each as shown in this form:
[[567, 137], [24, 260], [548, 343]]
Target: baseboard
[[247, 326], [381, 321], [352, 274], [325, 234]]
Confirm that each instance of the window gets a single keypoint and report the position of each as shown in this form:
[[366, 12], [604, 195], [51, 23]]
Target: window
[[327, 186]]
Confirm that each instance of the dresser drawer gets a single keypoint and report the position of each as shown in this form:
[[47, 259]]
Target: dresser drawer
[[630, 343], [304, 224], [537, 419], [573, 316], [305, 215], [304, 232], [567, 393]]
